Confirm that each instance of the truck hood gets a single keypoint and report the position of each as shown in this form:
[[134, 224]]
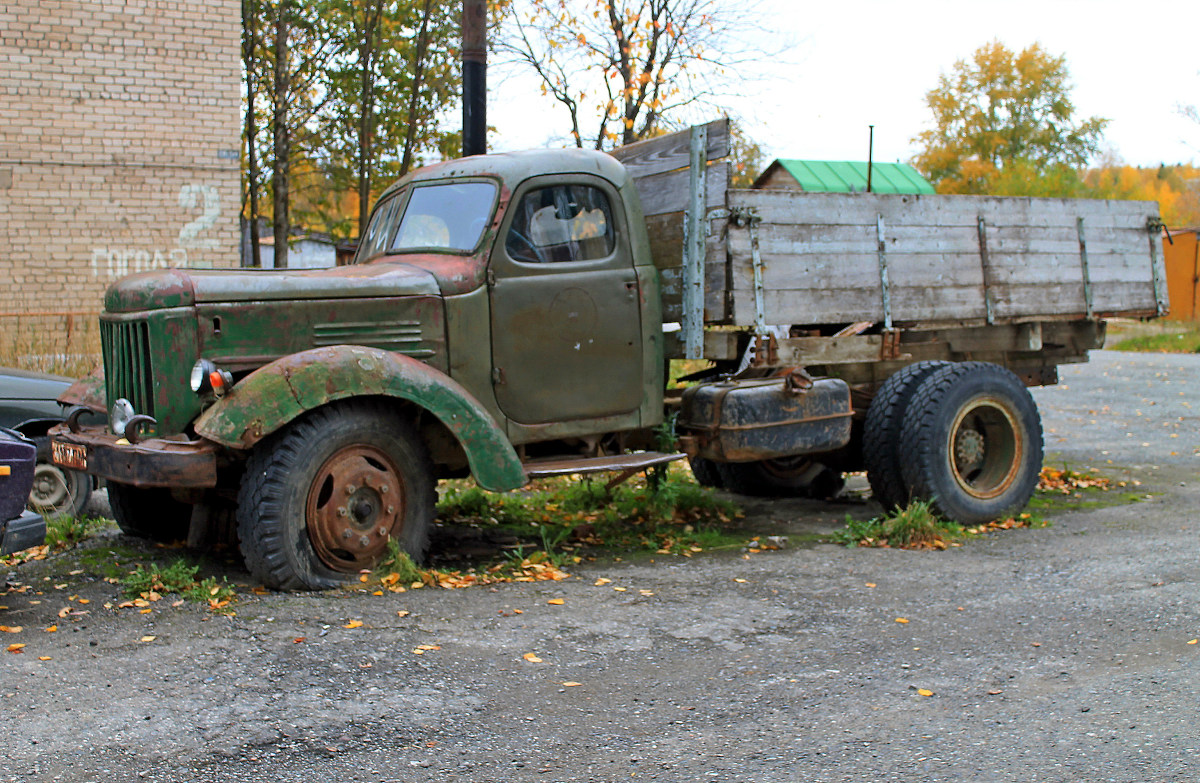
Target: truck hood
[[165, 288]]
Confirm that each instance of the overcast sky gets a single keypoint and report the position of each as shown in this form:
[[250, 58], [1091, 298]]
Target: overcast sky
[[851, 63]]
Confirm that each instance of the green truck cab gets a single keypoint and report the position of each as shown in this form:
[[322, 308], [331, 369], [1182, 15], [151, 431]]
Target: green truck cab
[[499, 309]]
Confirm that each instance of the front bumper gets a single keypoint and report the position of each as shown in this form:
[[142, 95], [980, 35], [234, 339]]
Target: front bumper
[[154, 462]]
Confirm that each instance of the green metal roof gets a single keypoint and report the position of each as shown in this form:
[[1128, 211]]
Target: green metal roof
[[840, 176]]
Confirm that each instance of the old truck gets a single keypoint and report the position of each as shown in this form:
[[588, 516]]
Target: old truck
[[511, 316]]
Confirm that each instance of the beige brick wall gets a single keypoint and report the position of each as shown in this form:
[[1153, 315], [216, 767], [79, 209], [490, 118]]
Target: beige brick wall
[[119, 144]]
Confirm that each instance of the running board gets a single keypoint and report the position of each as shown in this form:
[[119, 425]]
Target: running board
[[626, 465]]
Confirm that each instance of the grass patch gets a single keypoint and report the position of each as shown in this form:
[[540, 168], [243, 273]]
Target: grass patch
[[562, 517], [65, 531], [1181, 342], [179, 578], [915, 526]]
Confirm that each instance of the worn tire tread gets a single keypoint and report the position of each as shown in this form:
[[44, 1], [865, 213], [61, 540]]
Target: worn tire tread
[[881, 433]]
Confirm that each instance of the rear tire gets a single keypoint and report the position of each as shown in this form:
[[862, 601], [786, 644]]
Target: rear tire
[[321, 498], [972, 443], [781, 477], [705, 471], [149, 512], [881, 433]]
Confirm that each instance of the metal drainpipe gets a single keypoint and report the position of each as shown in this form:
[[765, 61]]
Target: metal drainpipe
[[474, 63]]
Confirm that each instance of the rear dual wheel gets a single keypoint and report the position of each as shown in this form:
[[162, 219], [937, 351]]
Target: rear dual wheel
[[322, 499], [971, 443]]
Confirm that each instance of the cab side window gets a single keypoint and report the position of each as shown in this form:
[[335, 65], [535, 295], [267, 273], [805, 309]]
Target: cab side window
[[561, 223]]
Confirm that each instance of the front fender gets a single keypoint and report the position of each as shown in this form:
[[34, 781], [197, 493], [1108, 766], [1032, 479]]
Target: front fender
[[277, 393]]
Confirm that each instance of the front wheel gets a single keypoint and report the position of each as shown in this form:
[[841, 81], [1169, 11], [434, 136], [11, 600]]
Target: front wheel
[[322, 498], [972, 443]]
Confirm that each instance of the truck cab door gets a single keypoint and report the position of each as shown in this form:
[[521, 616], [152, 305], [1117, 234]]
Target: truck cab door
[[566, 321]]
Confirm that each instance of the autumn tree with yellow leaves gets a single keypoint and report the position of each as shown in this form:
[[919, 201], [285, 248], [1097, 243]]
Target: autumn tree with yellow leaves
[[624, 70], [1004, 124]]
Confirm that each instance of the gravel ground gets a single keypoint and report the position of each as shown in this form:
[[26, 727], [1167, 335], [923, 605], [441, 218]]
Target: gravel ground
[[1052, 654]]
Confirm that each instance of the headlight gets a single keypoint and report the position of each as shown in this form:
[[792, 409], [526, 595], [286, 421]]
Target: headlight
[[122, 411], [201, 370], [207, 378]]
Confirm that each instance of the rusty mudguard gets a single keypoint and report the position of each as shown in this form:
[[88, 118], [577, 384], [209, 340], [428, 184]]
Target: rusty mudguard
[[749, 420], [277, 393]]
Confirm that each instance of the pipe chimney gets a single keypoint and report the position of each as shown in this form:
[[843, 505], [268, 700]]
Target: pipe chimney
[[474, 65]]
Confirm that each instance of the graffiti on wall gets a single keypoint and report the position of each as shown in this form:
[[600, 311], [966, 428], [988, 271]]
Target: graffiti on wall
[[196, 234]]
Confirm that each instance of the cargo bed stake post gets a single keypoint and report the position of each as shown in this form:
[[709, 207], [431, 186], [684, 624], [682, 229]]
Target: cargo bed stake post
[[1157, 270], [693, 245], [988, 308], [884, 286], [1083, 261]]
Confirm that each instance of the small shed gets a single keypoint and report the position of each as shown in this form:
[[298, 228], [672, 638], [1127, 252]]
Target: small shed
[[841, 176]]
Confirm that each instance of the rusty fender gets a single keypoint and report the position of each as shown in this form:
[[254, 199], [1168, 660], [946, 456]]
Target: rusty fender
[[277, 393]]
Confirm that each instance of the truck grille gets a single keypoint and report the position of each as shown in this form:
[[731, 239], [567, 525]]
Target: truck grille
[[127, 369]]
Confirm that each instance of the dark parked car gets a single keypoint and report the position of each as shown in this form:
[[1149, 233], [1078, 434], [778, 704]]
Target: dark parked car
[[28, 405], [19, 527]]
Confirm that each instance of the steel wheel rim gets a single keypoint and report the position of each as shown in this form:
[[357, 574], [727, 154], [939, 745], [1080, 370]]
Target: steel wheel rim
[[355, 505], [985, 448], [49, 492]]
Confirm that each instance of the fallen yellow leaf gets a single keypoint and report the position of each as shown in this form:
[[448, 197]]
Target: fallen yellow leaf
[[1193, 641], [620, 589], [52, 629], [924, 692], [602, 581], [870, 584], [148, 638], [902, 620], [299, 639], [532, 657], [43, 657], [571, 684], [16, 648], [10, 628], [353, 624], [403, 613], [740, 581], [556, 601]]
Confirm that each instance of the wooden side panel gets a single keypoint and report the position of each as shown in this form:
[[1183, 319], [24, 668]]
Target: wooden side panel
[[671, 152], [821, 261]]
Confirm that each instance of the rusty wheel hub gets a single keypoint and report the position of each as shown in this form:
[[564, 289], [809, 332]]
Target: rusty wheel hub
[[355, 505], [987, 447]]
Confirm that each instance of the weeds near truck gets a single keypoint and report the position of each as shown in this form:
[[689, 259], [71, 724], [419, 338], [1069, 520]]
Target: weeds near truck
[[915, 526], [179, 578], [565, 517], [65, 531]]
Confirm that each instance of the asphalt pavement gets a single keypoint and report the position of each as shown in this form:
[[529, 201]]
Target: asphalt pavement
[[1060, 653]]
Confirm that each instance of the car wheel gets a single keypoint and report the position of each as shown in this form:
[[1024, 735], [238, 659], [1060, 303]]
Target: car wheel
[[57, 491]]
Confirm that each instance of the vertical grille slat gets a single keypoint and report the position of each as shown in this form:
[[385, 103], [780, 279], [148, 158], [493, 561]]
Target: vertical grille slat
[[127, 364]]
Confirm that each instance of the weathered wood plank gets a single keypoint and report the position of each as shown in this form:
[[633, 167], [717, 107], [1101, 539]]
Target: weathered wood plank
[[670, 152], [668, 192]]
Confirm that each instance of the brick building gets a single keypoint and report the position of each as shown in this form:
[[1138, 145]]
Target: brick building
[[119, 146]]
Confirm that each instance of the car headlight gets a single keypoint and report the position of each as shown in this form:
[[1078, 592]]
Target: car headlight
[[207, 378]]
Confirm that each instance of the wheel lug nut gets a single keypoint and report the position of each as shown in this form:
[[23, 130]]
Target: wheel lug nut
[[347, 533], [383, 489], [343, 512], [364, 541], [351, 489], [383, 532], [391, 509]]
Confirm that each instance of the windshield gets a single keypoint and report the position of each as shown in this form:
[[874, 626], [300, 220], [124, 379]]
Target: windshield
[[449, 217]]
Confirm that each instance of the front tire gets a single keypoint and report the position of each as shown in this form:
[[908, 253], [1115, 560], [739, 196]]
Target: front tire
[[149, 512], [972, 441], [321, 498]]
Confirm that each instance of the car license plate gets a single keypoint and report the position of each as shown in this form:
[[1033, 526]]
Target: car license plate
[[69, 455]]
